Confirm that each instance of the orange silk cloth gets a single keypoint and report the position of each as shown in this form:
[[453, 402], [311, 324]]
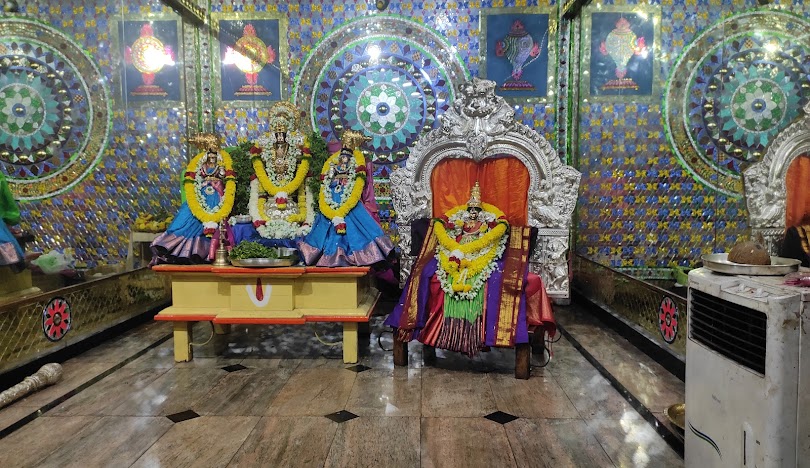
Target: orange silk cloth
[[797, 183], [504, 183]]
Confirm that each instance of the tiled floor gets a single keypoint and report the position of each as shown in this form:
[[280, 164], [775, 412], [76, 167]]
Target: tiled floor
[[286, 399]]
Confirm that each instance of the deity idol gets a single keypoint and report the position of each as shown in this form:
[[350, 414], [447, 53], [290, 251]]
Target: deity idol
[[470, 287], [209, 187], [280, 199], [344, 233]]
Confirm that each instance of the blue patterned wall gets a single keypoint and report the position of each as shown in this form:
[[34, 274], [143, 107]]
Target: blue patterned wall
[[641, 206]]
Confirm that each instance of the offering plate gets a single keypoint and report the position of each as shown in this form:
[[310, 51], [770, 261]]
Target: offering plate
[[779, 266]]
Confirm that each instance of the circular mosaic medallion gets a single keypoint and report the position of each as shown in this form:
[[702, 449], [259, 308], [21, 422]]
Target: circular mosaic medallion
[[668, 319], [54, 110], [56, 319], [387, 77], [733, 90]]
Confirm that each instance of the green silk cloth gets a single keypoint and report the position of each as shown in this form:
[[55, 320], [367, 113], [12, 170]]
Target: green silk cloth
[[9, 210]]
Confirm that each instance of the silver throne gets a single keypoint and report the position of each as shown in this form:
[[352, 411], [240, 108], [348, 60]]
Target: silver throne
[[764, 182], [480, 125]]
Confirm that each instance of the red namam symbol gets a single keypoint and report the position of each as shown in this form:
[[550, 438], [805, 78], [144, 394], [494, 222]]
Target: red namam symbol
[[56, 319], [668, 319]]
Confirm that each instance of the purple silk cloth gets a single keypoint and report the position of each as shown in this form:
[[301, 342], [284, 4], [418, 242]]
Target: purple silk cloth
[[171, 248], [229, 242], [367, 198], [493, 301]]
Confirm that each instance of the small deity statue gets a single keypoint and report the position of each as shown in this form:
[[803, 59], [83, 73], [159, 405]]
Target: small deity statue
[[209, 187], [280, 199], [344, 232], [470, 287]]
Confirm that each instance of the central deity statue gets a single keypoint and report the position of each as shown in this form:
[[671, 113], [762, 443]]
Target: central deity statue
[[344, 233], [280, 200], [470, 288]]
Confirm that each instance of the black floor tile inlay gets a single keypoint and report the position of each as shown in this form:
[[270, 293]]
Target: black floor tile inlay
[[341, 416], [183, 416], [234, 368], [358, 368], [500, 417]]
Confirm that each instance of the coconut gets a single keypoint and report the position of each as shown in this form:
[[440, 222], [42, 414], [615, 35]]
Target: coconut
[[749, 253]]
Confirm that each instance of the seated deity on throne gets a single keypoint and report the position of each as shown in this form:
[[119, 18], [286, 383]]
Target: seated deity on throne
[[280, 200], [209, 187], [470, 287], [344, 232]]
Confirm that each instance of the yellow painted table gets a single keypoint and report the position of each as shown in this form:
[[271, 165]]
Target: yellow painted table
[[267, 296]]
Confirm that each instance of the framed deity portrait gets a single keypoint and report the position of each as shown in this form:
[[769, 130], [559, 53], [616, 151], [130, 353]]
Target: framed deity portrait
[[252, 69], [151, 55], [620, 47], [518, 51]]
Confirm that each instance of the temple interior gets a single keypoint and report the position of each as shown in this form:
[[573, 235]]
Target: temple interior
[[404, 233]]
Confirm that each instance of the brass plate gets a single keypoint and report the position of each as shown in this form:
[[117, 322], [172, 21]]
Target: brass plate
[[677, 415]]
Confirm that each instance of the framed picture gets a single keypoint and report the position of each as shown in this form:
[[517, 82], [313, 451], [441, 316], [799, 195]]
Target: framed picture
[[252, 69], [518, 49], [619, 47], [150, 53]]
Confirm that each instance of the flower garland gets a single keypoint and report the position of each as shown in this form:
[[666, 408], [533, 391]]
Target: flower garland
[[281, 191], [287, 226], [194, 198], [337, 212], [464, 268]]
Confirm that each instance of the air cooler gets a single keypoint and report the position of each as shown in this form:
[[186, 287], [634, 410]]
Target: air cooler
[[747, 371]]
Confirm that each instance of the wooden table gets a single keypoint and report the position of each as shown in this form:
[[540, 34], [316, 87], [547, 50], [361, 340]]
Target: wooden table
[[267, 296]]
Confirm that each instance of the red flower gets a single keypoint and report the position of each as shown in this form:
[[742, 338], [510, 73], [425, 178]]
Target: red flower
[[492, 224], [449, 225], [190, 174], [255, 150], [361, 169], [322, 177], [306, 150], [340, 228], [209, 232], [253, 177], [259, 222], [230, 173]]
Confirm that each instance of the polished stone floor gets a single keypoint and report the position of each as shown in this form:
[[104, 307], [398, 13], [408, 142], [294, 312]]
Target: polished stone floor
[[282, 397]]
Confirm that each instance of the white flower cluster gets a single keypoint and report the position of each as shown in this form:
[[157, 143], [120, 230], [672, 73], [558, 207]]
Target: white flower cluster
[[282, 229]]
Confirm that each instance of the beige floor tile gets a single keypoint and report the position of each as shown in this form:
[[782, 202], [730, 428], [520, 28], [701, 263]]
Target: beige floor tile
[[555, 443], [174, 391], [594, 397], [376, 442], [538, 397], [289, 442], [206, 442], [11, 414], [74, 374], [456, 394], [313, 392], [463, 443], [632, 442], [392, 392], [110, 441], [247, 392], [48, 433], [105, 395]]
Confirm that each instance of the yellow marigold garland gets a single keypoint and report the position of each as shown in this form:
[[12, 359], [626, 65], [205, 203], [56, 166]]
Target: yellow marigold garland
[[230, 189], [289, 187], [357, 188], [486, 240]]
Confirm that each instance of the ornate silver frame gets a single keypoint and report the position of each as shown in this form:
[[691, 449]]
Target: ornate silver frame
[[480, 125], [764, 182]]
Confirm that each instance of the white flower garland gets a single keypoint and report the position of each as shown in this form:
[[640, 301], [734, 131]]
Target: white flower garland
[[347, 189], [479, 280], [276, 225], [198, 181]]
